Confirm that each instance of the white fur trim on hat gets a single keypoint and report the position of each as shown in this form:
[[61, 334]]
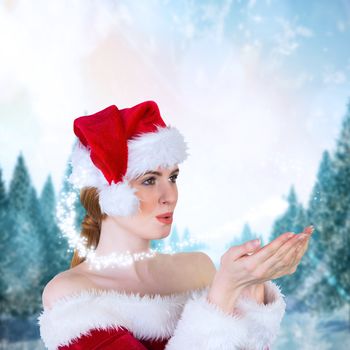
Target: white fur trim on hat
[[163, 148]]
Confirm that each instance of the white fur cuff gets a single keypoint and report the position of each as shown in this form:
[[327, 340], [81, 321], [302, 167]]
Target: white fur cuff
[[205, 326], [263, 320]]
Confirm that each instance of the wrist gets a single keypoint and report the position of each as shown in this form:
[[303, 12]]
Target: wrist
[[224, 294], [256, 292]]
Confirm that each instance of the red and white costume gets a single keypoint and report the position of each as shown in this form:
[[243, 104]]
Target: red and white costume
[[92, 319]]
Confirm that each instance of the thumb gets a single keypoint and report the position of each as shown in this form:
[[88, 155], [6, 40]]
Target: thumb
[[245, 248]]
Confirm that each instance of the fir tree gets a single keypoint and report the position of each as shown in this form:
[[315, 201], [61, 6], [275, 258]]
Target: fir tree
[[339, 242], [48, 203], [19, 187], [54, 245], [291, 221], [318, 291], [187, 242], [233, 242], [4, 241], [24, 248], [247, 234], [174, 239], [286, 222], [322, 207]]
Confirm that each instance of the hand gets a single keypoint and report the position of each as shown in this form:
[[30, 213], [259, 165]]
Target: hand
[[238, 270], [278, 258], [257, 291]]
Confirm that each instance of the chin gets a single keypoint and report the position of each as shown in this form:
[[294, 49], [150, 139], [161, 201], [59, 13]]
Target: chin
[[165, 232]]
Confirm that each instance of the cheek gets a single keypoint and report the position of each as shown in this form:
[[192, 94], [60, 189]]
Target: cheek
[[148, 201]]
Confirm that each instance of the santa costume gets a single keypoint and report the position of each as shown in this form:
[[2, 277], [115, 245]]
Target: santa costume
[[114, 146]]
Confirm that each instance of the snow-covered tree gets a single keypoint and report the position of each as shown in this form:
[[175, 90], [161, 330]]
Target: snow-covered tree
[[4, 241], [55, 246], [24, 245], [339, 261], [247, 234]]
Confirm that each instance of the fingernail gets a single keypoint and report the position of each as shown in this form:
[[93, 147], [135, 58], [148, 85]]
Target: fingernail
[[302, 236]]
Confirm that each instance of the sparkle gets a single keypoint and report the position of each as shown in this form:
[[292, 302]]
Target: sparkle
[[66, 217]]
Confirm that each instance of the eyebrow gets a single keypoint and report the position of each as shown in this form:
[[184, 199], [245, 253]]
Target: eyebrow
[[160, 174]]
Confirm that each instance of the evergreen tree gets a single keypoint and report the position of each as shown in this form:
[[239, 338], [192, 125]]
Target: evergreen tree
[[305, 267], [3, 197], [35, 220], [20, 187], [66, 211], [54, 245], [187, 241], [4, 242], [67, 188], [24, 245], [339, 242], [285, 223], [293, 220], [174, 239], [48, 203], [318, 291], [322, 207], [247, 234], [236, 240]]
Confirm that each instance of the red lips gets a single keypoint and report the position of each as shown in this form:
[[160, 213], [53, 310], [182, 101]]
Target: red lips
[[166, 218], [164, 215]]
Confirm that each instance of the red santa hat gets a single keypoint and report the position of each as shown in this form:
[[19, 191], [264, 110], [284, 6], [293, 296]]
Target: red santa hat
[[117, 145]]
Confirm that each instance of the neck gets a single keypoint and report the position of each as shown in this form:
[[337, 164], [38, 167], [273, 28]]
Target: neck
[[116, 240]]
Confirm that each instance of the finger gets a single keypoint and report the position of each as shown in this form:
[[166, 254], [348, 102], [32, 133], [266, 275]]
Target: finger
[[309, 230], [285, 261], [289, 245], [301, 251], [236, 252], [303, 248], [270, 249]]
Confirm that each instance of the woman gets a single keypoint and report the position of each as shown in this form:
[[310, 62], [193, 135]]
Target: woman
[[126, 165]]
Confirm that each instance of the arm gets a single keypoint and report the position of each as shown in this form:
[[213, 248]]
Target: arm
[[215, 320]]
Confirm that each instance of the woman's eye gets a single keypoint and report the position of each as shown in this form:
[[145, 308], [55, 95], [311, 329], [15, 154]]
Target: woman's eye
[[147, 182], [174, 177], [151, 180]]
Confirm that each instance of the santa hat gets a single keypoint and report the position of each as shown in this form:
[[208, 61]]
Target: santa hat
[[116, 145]]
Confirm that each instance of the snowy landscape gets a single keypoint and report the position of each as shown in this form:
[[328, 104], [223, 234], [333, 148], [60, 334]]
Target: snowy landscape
[[260, 89]]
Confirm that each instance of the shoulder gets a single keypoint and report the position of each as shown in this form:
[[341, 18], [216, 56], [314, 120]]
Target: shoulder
[[207, 267], [202, 266], [63, 284]]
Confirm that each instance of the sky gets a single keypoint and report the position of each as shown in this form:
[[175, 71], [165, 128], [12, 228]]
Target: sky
[[258, 89]]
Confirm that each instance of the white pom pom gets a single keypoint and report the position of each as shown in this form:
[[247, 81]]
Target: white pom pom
[[118, 199]]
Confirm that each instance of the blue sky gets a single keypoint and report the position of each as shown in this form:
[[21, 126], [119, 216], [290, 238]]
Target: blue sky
[[258, 88]]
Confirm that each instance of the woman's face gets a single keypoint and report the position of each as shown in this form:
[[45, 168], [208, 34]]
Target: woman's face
[[157, 192]]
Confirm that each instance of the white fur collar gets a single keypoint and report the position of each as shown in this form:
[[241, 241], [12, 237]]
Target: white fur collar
[[147, 317]]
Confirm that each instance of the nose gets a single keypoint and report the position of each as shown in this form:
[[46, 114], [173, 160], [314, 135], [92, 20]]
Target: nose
[[168, 193]]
